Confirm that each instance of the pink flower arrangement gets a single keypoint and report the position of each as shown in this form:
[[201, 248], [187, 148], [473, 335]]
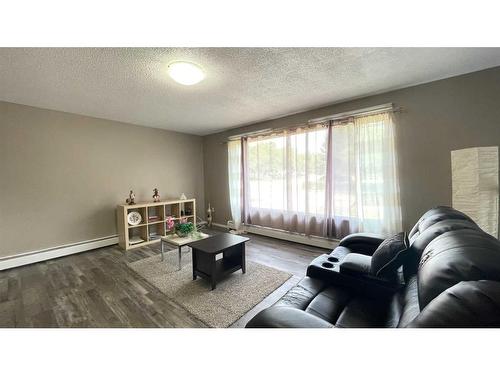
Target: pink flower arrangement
[[170, 223]]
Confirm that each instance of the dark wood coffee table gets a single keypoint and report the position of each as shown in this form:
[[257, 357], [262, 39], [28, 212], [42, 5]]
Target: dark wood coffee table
[[205, 253]]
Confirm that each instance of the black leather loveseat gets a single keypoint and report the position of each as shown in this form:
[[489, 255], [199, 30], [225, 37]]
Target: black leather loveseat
[[451, 278]]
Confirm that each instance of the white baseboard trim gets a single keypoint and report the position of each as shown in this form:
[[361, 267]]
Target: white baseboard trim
[[55, 252], [287, 236]]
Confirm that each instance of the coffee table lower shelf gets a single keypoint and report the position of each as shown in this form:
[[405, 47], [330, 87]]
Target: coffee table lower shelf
[[222, 268]]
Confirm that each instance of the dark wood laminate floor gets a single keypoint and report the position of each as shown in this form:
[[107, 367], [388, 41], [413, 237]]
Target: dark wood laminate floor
[[97, 289]]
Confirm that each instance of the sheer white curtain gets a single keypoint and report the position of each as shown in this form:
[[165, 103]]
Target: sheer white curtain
[[235, 180], [285, 180], [363, 191]]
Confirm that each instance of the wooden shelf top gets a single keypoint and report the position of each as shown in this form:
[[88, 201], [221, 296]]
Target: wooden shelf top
[[152, 204]]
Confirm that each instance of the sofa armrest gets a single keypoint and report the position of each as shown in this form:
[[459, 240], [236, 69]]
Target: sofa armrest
[[286, 317], [356, 264], [363, 243]]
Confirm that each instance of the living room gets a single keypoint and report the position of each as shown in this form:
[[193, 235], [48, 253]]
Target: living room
[[243, 187]]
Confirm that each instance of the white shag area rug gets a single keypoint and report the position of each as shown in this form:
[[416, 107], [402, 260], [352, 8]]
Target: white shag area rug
[[236, 294]]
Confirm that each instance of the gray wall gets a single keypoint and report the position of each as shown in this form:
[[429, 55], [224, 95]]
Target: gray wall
[[438, 117], [62, 175]]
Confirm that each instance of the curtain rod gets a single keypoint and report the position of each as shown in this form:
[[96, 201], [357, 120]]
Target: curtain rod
[[388, 107], [266, 131], [237, 136]]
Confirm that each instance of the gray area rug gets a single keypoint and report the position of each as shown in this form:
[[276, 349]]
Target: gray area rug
[[233, 297]]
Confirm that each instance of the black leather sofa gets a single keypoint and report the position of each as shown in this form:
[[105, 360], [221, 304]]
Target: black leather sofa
[[451, 279]]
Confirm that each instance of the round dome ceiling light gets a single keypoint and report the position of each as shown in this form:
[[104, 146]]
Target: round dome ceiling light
[[185, 73]]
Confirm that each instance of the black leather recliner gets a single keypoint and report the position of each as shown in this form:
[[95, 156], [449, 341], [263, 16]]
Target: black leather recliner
[[452, 279]]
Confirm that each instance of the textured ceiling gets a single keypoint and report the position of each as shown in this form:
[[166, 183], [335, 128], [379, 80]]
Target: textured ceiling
[[242, 85]]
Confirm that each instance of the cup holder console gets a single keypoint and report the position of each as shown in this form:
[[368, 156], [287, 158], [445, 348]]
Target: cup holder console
[[327, 268], [329, 262]]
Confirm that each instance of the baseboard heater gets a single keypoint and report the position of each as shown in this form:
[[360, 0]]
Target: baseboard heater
[[55, 252], [284, 235]]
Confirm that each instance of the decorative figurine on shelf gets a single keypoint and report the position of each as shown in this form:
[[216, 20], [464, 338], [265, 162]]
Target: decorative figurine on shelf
[[131, 198], [156, 195], [183, 197], [210, 215]]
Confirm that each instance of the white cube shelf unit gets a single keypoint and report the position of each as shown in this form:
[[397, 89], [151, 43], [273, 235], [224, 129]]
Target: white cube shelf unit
[[154, 221]]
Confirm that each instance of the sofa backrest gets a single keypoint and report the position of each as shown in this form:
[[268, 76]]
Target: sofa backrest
[[436, 229], [433, 216], [432, 224], [455, 256], [458, 274], [456, 268]]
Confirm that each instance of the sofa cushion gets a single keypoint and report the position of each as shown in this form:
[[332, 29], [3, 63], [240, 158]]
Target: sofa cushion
[[336, 305], [301, 295], [286, 317], [329, 304], [407, 298], [364, 312], [389, 256]]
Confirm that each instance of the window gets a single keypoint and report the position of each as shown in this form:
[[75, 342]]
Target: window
[[328, 180]]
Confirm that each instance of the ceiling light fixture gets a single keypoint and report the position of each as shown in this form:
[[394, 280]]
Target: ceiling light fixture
[[185, 73]]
